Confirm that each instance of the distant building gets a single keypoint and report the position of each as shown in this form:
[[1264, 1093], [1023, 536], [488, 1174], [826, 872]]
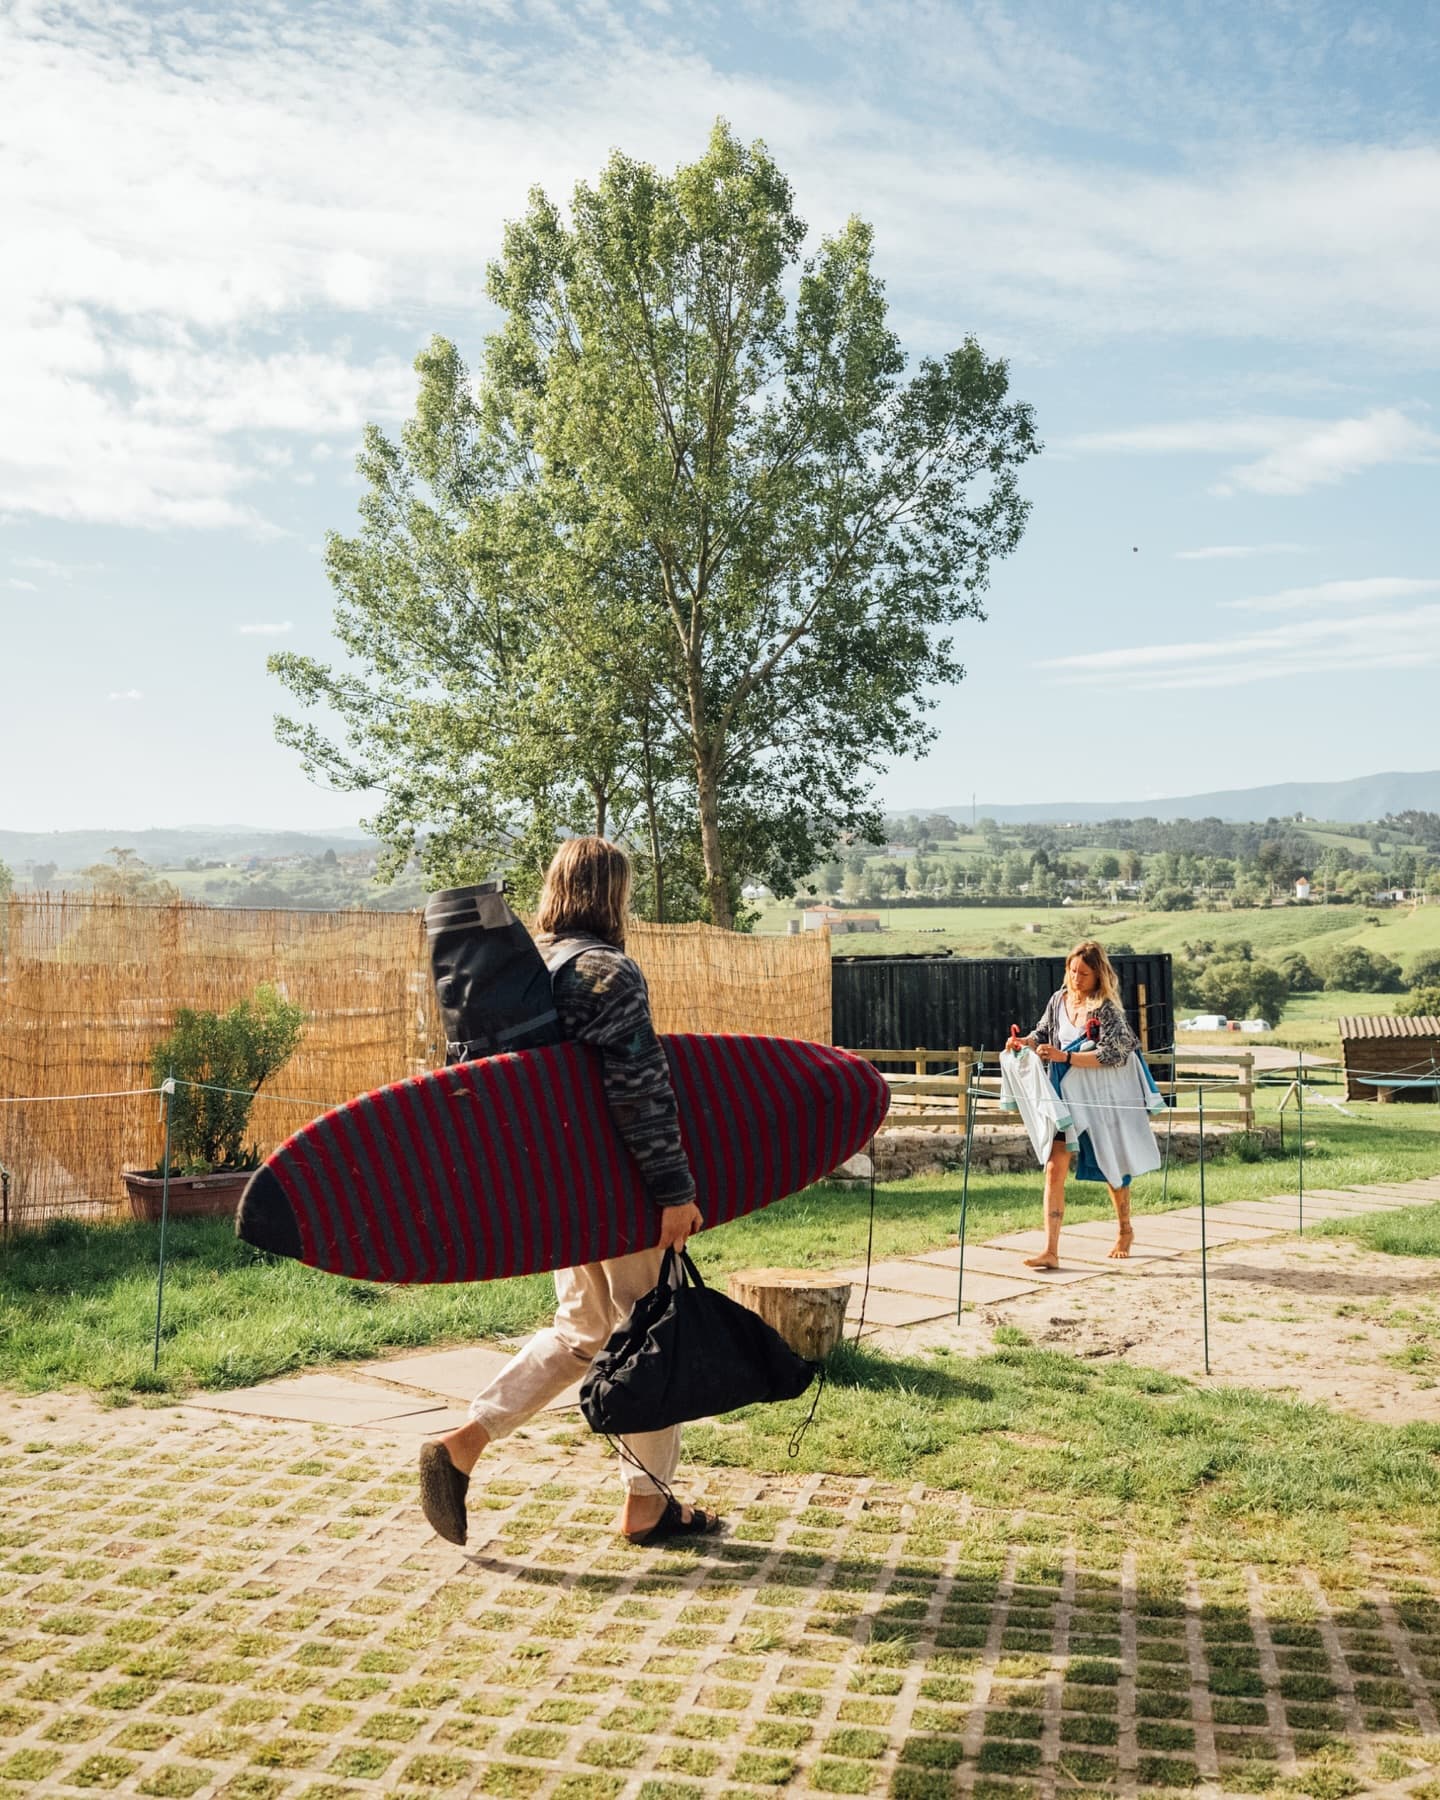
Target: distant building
[[1302, 888], [1391, 1058], [816, 918]]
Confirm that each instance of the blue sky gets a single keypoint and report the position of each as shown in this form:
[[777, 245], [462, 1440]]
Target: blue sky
[[1207, 236]]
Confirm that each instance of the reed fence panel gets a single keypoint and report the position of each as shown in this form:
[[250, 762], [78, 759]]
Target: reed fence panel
[[88, 986]]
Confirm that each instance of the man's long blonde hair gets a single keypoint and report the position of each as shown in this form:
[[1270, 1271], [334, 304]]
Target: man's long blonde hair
[[1107, 982], [586, 892]]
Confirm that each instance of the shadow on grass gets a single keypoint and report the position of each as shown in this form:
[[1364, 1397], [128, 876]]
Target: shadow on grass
[[850, 1365], [1218, 1680], [1304, 1278]]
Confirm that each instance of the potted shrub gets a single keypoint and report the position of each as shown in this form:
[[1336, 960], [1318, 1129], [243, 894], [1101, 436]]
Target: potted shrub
[[237, 1051]]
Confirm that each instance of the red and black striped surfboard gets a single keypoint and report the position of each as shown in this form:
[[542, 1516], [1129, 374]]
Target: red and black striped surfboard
[[511, 1164]]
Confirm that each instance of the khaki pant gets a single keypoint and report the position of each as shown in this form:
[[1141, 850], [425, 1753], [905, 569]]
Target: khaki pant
[[590, 1302]]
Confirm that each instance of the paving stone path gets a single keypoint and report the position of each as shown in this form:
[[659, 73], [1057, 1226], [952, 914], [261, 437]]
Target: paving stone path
[[915, 1290], [195, 1606], [426, 1393], [207, 1601]]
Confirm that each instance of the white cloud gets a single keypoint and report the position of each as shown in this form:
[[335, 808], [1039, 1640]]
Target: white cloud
[[24, 587], [126, 694], [265, 630], [305, 392], [1395, 640], [1325, 456], [1237, 552], [1191, 437], [228, 178], [44, 565], [1296, 453], [1373, 590]]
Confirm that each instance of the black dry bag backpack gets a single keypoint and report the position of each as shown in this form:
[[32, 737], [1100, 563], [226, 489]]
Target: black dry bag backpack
[[688, 1352], [492, 983]]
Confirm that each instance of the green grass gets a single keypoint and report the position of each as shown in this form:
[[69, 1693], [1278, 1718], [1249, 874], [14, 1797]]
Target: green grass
[[78, 1306], [1310, 1022], [1413, 1232], [1400, 932], [1032, 1427], [77, 1302]]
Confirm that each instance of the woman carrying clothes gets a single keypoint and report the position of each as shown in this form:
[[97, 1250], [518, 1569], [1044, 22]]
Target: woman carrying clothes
[[1086, 1042], [602, 1000]]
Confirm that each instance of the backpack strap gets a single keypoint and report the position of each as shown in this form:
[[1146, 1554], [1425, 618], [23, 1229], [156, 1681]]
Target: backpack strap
[[560, 954]]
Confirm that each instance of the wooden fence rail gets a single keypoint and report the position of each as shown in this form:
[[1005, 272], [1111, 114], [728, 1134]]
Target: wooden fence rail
[[922, 1095]]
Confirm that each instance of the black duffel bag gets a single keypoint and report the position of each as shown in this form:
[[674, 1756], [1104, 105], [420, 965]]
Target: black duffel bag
[[688, 1352]]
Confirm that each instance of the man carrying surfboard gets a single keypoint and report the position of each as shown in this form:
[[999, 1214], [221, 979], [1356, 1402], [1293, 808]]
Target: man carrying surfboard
[[602, 1000]]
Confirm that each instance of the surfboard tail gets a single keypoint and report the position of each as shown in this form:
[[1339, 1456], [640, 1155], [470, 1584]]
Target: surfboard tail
[[265, 1217]]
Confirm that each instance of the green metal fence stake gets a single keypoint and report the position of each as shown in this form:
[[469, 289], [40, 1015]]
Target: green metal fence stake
[[965, 1195], [1204, 1249], [1300, 1132], [164, 1215]]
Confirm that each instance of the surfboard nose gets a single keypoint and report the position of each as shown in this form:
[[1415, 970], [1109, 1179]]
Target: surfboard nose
[[265, 1217], [876, 1097]]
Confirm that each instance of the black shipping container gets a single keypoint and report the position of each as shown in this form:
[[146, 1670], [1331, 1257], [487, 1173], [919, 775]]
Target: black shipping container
[[933, 1002]]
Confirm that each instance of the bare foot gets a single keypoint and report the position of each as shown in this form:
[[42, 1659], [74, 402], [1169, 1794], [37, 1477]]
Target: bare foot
[[1124, 1239], [1043, 1261]]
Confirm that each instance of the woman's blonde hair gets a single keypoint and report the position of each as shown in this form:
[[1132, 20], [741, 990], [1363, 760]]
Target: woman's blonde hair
[[1107, 982], [586, 892]]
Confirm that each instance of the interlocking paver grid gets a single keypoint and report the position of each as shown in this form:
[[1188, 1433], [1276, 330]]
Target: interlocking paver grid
[[257, 1612]]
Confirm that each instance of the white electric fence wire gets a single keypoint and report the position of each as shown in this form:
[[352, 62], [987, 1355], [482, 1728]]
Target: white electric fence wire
[[46, 1099]]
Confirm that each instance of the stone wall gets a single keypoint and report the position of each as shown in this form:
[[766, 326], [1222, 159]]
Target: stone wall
[[1005, 1149]]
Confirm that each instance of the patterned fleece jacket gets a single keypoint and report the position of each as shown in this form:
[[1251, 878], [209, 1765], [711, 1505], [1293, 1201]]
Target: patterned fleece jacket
[[1117, 1041], [602, 999]]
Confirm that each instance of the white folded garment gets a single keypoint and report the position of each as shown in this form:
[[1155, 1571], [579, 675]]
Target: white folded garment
[[1025, 1088], [1114, 1106]]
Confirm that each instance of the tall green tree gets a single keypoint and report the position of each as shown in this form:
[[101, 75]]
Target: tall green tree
[[690, 556]]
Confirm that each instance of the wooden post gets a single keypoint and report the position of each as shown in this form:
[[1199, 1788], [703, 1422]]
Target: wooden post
[[1144, 1018], [963, 1064], [922, 1063], [806, 1306], [1247, 1076]]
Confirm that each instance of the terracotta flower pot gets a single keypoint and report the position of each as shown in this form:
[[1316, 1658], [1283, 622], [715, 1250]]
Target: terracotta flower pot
[[191, 1196]]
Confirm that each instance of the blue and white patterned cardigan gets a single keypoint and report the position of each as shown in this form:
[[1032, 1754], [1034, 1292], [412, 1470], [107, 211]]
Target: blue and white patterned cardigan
[[1117, 1041]]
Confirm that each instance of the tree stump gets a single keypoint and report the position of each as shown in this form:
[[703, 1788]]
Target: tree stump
[[806, 1306]]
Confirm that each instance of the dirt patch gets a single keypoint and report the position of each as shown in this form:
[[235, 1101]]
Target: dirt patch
[[1324, 1320]]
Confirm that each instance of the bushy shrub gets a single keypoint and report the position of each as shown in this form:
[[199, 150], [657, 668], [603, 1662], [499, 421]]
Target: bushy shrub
[[1269, 991], [1424, 972], [1421, 1003], [1351, 968], [1300, 977], [1239, 989], [219, 1062], [1223, 987]]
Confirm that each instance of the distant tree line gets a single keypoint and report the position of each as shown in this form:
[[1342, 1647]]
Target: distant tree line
[[1173, 866], [1213, 977]]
